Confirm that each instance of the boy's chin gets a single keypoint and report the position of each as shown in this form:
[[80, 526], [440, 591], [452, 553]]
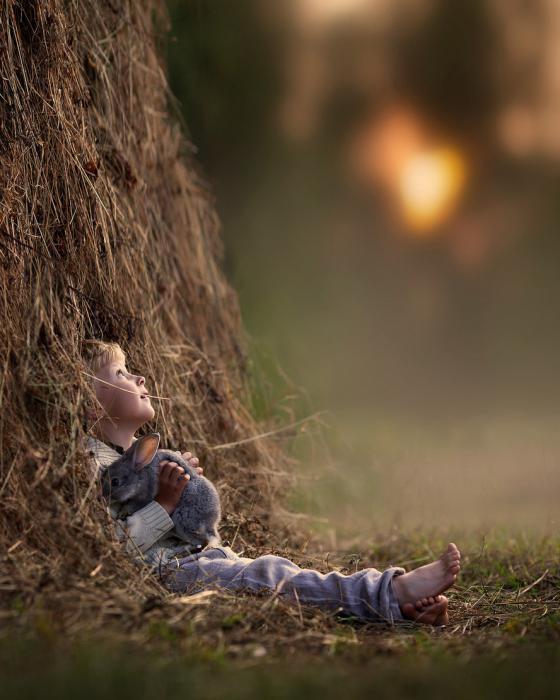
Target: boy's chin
[[147, 414]]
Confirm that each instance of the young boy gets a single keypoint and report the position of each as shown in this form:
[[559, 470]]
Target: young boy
[[369, 594]]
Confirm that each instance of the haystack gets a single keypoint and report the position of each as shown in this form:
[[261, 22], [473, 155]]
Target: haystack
[[107, 230]]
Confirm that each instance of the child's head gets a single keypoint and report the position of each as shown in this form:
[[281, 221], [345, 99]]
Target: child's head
[[122, 395]]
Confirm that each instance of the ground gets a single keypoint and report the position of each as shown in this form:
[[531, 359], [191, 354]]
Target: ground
[[503, 637]]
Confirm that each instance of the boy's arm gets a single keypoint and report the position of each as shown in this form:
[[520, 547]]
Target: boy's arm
[[140, 530], [144, 527]]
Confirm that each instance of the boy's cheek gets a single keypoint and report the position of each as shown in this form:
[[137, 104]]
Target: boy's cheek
[[120, 403]]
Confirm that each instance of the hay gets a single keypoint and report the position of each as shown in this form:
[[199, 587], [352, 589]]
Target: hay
[[108, 231]]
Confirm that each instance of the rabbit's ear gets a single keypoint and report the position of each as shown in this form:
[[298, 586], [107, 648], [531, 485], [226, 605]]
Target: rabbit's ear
[[145, 450]]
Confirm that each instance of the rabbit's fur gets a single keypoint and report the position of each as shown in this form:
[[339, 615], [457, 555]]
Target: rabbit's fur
[[132, 482]]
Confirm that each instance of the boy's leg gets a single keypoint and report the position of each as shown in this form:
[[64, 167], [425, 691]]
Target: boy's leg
[[367, 594]]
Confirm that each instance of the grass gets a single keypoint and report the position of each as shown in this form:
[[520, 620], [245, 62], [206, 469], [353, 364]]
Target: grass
[[502, 639], [89, 672]]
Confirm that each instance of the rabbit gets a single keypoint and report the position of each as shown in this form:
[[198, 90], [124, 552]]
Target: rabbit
[[132, 482]]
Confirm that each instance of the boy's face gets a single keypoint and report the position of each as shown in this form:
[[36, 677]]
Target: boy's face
[[123, 395]]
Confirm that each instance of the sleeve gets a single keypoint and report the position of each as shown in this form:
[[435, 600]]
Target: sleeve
[[143, 528]]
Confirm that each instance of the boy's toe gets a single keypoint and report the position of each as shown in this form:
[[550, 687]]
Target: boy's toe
[[408, 611]]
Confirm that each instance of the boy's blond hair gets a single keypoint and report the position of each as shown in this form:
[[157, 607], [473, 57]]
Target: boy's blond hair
[[95, 355], [98, 353]]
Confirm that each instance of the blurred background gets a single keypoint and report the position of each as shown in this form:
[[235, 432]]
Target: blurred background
[[387, 175]]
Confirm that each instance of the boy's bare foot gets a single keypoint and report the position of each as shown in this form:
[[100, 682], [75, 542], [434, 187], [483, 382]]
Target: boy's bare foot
[[429, 611], [428, 580]]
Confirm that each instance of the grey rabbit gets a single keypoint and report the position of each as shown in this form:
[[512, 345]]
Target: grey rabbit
[[132, 482]]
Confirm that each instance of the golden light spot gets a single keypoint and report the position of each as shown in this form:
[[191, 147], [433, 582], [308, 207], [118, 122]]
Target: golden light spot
[[420, 173], [428, 187]]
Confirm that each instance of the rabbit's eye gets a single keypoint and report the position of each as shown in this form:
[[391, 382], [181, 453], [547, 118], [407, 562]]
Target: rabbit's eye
[[114, 481]]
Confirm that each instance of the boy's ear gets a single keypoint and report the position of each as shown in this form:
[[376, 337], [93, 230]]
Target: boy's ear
[[145, 450]]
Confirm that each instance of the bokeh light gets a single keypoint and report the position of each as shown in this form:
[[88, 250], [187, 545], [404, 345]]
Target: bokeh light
[[429, 187], [398, 152]]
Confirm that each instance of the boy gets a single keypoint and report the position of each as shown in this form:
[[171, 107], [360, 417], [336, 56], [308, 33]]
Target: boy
[[368, 594]]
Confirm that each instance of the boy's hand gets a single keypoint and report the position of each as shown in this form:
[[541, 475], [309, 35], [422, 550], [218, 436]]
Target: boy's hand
[[172, 482], [192, 460]]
